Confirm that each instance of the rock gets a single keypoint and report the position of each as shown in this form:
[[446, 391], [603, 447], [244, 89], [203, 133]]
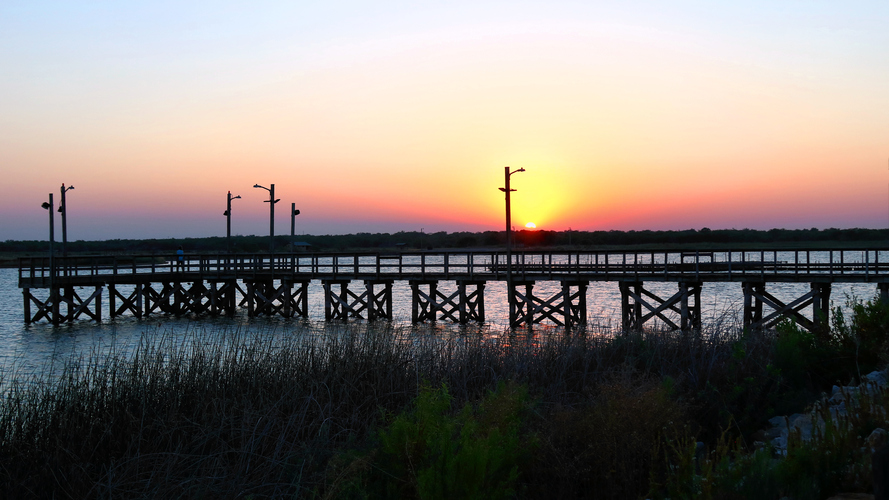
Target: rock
[[877, 439], [876, 377], [778, 421]]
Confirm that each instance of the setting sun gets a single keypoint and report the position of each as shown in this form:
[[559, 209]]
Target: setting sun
[[531, 225]]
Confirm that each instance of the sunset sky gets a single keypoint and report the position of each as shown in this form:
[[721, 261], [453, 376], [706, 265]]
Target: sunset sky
[[395, 116]]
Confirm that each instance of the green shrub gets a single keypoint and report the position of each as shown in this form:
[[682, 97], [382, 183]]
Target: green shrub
[[604, 449], [795, 353], [428, 452], [865, 336]]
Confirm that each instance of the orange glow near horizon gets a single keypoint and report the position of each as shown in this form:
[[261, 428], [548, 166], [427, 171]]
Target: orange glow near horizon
[[623, 118]]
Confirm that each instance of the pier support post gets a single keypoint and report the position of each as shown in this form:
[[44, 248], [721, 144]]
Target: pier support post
[[344, 303], [48, 309], [574, 303], [883, 287], [82, 307], [26, 296], [635, 300], [630, 308], [566, 308], [379, 304], [423, 304], [472, 303], [521, 307], [68, 299], [752, 302], [820, 307], [755, 296], [131, 303], [690, 306], [461, 306], [264, 298]]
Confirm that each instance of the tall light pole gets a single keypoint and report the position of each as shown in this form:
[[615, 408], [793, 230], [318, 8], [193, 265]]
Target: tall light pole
[[48, 206], [293, 213], [63, 209], [510, 293], [271, 201], [228, 220]]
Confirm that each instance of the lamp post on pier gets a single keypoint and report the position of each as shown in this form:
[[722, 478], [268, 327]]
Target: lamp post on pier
[[228, 220], [53, 294], [271, 201], [63, 209], [510, 293], [293, 213]]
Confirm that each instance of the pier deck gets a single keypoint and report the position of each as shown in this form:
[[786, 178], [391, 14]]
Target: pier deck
[[220, 283]]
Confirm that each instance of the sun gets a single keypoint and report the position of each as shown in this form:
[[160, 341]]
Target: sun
[[531, 225]]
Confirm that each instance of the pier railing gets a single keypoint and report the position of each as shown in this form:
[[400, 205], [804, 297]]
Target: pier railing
[[847, 265]]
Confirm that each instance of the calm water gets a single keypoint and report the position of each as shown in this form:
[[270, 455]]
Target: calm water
[[30, 348]]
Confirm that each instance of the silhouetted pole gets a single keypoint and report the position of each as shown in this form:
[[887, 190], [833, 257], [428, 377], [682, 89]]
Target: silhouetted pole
[[271, 201], [53, 295], [63, 209], [510, 293], [228, 220], [293, 213]]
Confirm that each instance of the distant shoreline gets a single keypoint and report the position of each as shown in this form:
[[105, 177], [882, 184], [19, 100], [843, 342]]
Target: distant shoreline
[[408, 242]]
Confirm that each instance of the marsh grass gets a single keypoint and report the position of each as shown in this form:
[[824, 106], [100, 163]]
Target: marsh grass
[[274, 414]]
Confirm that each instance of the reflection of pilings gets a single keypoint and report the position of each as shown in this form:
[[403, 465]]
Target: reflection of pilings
[[566, 308], [464, 305], [884, 292], [756, 296]]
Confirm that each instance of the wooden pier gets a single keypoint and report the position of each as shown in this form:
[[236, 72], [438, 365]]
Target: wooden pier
[[216, 284]]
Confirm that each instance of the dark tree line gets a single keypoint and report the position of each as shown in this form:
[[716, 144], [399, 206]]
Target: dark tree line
[[414, 240]]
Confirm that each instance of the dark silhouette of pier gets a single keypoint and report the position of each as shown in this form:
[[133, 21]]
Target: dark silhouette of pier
[[215, 284]]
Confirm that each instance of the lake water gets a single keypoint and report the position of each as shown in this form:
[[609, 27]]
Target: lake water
[[29, 348]]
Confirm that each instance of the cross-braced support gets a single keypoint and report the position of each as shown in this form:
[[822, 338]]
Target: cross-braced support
[[464, 305], [128, 303], [75, 306], [78, 307], [48, 308], [176, 298], [223, 297], [686, 303], [423, 303], [755, 296], [472, 300], [263, 297], [298, 305], [158, 300], [342, 303], [565, 308]]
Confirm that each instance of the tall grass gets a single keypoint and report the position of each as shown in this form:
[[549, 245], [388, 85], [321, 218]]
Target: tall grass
[[260, 415]]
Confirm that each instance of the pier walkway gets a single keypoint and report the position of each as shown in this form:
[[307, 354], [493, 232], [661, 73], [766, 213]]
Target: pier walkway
[[223, 283]]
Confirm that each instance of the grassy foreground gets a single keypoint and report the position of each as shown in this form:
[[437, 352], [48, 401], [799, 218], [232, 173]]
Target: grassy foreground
[[372, 411]]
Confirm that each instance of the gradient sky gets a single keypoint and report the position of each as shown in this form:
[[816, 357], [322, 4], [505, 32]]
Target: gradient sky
[[395, 116]]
